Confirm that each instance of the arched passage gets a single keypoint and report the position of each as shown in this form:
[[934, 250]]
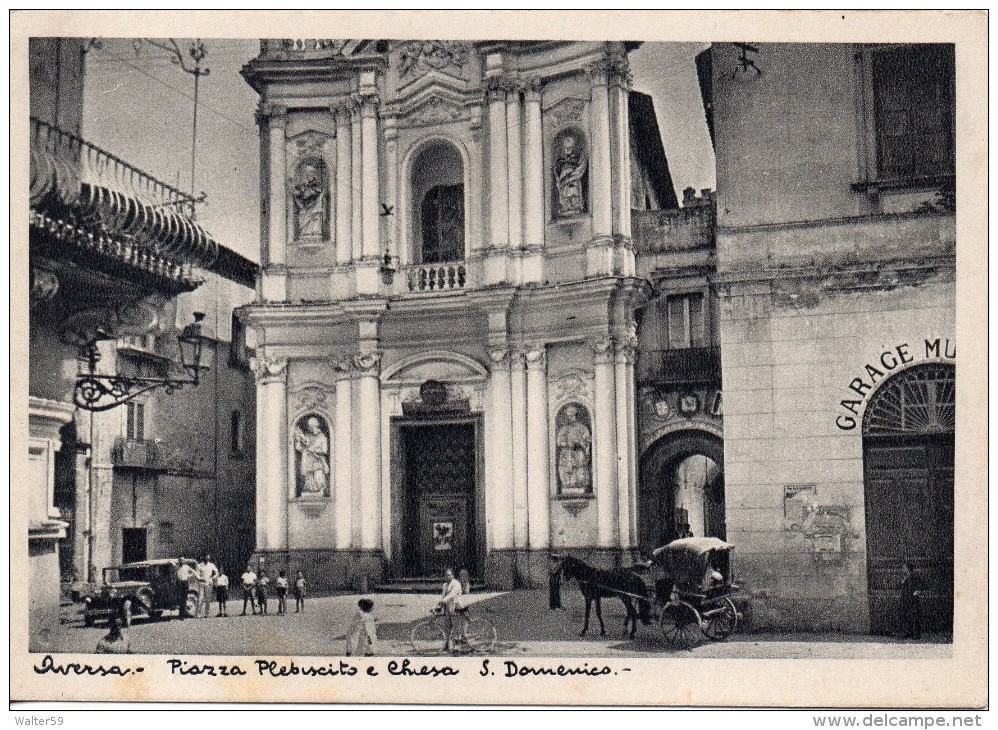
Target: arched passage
[[681, 482], [908, 459]]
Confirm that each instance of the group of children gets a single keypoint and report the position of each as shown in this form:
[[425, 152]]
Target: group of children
[[255, 592]]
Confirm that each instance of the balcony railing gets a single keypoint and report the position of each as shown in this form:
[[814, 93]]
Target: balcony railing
[[436, 277], [135, 453], [692, 365], [83, 195]]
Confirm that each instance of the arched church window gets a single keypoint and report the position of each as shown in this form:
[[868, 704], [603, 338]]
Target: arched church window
[[442, 214], [437, 225]]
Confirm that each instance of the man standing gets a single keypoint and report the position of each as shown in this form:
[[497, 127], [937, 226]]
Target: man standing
[[249, 588], [554, 583], [207, 573]]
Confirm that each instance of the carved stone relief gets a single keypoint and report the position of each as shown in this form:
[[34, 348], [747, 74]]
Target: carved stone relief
[[420, 57], [566, 110]]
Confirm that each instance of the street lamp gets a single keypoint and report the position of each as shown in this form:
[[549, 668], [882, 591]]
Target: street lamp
[[101, 392]]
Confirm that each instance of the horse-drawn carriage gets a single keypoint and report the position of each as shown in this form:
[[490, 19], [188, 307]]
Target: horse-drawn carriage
[[695, 597], [692, 596]]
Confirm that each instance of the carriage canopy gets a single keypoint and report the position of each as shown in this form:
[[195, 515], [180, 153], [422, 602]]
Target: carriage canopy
[[687, 559]]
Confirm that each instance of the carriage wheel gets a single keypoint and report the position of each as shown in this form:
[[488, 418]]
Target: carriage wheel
[[680, 626], [722, 622], [479, 634], [427, 637]]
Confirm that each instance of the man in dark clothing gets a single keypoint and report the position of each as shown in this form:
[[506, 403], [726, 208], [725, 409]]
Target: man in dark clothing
[[554, 583]]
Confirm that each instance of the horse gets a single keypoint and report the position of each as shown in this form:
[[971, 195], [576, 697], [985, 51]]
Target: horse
[[596, 584]]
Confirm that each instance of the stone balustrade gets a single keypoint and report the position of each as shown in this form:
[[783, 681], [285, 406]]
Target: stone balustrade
[[436, 277]]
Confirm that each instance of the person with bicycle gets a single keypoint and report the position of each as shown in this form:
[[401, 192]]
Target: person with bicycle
[[452, 607]]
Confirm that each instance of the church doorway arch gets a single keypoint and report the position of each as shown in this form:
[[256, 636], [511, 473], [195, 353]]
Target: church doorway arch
[[681, 483], [908, 460]]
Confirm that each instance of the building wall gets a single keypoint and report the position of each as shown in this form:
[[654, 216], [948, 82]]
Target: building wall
[[820, 279], [193, 494]]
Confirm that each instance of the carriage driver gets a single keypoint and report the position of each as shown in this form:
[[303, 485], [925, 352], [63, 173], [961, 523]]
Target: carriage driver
[[450, 603]]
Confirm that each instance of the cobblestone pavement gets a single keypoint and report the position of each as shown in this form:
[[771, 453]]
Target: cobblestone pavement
[[523, 622]]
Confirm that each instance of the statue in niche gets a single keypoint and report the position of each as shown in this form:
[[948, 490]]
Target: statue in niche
[[312, 447], [571, 165], [574, 448], [310, 190]]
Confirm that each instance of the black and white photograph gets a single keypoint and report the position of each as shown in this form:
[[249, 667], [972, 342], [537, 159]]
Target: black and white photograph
[[511, 363]]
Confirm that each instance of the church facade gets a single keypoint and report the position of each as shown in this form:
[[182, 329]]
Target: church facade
[[487, 331]]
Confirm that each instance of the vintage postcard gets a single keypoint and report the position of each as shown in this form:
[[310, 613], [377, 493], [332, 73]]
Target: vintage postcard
[[552, 357]]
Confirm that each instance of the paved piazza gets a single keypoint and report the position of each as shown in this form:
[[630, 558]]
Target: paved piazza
[[524, 625]]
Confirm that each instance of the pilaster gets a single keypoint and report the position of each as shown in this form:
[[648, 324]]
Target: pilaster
[[367, 365], [344, 453], [498, 452], [533, 185], [605, 437], [271, 453], [538, 461], [344, 179], [518, 465]]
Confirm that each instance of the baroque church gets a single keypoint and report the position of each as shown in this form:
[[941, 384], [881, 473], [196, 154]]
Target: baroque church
[[487, 331]]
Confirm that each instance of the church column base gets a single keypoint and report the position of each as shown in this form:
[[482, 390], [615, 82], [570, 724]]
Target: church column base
[[325, 569]]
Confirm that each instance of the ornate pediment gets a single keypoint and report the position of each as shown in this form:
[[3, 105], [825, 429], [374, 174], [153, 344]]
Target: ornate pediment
[[435, 110], [417, 58], [440, 366], [567, 110], [308, 143]]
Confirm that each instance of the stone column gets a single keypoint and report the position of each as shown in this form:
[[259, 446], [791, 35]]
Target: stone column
[[514, 162], [533, 185], [605, 438], [498, 231], [344, 180], [392, 233], [599, 257], [518, 400], [271, 453], [368, 367], [277, 251], [498, 453], [274, 276], [369, 161], [356, 183], [538, 465], [343, 455], [626, 488], [620, 85]]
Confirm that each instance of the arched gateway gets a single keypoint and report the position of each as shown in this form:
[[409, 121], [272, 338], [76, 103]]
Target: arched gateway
[[682, 483], [908, 457]]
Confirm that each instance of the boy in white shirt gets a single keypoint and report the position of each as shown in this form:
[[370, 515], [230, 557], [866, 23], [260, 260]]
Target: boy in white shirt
[[249, 589], [222, 592]]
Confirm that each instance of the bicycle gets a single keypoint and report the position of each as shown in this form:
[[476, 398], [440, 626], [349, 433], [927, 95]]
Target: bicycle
[[429, 636]]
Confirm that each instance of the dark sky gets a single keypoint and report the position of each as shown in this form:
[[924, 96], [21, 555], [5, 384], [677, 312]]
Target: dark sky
[[139, 106]]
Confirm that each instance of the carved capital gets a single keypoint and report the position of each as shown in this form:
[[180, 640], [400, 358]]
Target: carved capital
[[367, 363], [602, 350], [342, 366], [499, 358], [536, 356], [269, 369], [531, 87], [275, 115], [368, 104], [627, 351], [342, 110], [612, 67]]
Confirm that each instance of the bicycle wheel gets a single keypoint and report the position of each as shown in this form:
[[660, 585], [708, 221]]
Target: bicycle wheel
[[722, 621], [479, 634], [680, 626], [427, 637]]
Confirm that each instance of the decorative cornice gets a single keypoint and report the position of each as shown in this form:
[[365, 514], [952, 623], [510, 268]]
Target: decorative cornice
[[499, 358], [271, 113]]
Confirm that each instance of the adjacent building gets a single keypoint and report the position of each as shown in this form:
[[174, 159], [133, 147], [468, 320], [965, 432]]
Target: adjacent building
[[115, 258]]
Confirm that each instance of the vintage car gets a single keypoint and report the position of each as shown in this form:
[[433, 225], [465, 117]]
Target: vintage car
[[148, 588]]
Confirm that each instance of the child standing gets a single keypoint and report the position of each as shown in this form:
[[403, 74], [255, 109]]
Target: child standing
[[282, 593], [222, 592], [363, 635], [300, 592], [261, 592], [249, 589]]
